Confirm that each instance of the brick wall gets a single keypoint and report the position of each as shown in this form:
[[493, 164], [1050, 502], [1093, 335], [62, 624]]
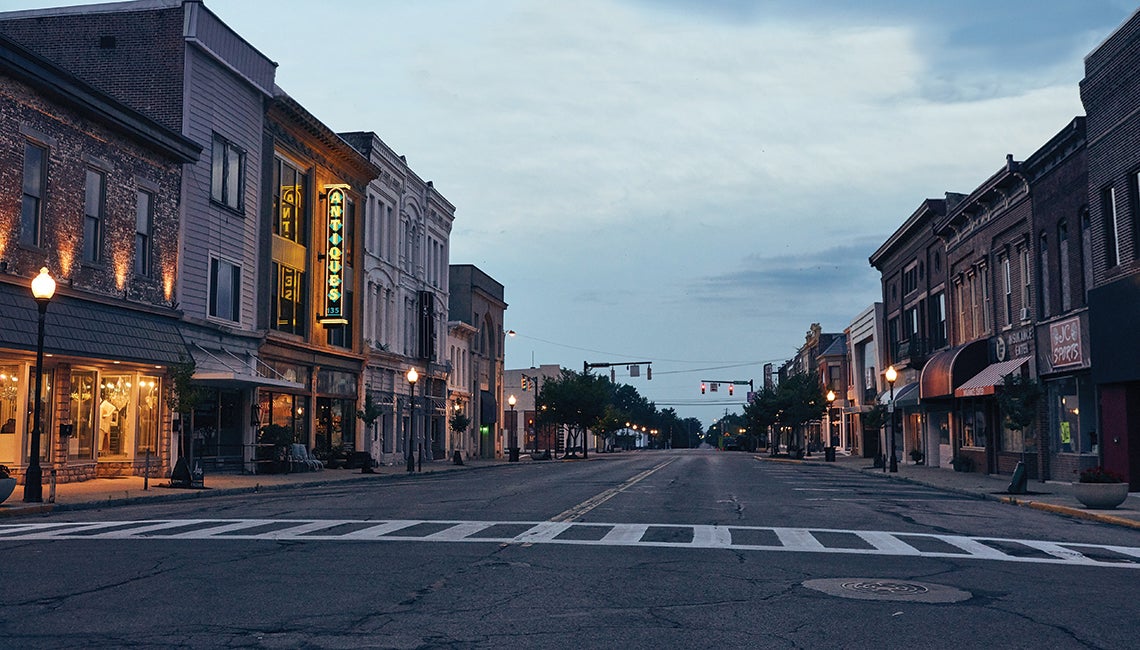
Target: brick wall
[[135, 56], [76, 143]]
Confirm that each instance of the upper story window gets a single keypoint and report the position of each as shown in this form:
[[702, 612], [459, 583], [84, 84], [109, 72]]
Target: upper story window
[[910, 279], [225, 290], [35, 186], [144, 222], [1063, 263], [1026, 284], [1007, 288], [1086, 254], [227, 174], [94, 206], [288, 300], [289, 207], [1111, 227]]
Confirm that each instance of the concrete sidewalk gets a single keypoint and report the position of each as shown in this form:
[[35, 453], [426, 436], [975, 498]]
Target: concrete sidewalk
[[109, 492], [1050, 496]]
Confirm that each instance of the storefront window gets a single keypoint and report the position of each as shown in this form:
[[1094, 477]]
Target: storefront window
[[972, 415], [9, 396], [289, 411], [1071, 417], [336, 424], [116, 433], [84, 416], [150, 391], [1012, 440], [45, 413]]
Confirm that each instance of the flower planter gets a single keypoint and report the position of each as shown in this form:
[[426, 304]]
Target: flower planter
[[1100, 496], [6, 487]]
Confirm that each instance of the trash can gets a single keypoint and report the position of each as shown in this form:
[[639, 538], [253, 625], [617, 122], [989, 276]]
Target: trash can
[[829, 454]]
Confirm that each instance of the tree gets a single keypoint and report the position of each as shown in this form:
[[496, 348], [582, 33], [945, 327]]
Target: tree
[[576, 400], [762, 415], [182, 399], [1018, 400]]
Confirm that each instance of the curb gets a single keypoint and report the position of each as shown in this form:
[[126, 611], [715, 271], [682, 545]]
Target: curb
[[1009, 500], [182, 494]]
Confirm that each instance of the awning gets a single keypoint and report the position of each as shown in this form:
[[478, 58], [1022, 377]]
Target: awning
[[90, 330], [949, 369], [907, 395], [220, 368], [986, 381]]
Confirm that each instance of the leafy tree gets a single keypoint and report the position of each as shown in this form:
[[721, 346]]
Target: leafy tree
[[1018, 400], [577, 401]]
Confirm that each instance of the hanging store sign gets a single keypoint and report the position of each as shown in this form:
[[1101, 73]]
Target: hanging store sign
[[334, 270], [1065, 343]]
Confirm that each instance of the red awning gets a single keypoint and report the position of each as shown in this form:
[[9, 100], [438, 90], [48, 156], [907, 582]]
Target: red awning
[[951, 368], [986, 381]]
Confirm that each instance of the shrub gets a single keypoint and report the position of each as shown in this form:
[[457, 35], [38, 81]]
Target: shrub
[[1099, 474]]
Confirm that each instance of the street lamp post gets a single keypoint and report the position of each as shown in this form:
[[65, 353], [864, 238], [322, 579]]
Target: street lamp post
[[43, 288], [412, 377], [892, 376], [829, 451], [513, 450]]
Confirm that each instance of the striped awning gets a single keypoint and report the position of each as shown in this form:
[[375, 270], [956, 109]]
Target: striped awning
[[986, 381]]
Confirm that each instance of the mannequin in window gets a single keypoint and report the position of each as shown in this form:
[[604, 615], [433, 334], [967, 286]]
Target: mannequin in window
[[106, 417]]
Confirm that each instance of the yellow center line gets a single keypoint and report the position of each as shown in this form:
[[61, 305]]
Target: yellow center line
[[593, 502]]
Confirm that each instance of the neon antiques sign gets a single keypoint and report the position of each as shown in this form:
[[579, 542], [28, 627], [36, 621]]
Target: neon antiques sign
[[334, 270]]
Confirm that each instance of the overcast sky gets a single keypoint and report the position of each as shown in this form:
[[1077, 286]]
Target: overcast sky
[[688, 182]]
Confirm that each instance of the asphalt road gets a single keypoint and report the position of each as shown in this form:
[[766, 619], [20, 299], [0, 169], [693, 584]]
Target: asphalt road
[[678, 549]]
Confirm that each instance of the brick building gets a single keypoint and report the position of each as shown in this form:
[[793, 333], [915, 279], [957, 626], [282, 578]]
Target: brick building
[[915, 307], [990, 274], [477, 299], [1110, 92], [91, 193], [177, 63], [1061, 244]]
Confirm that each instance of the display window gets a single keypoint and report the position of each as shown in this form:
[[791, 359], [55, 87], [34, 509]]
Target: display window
[[9, 399]]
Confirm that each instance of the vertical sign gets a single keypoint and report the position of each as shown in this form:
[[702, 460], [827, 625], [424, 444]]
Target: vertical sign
[[334, 271]]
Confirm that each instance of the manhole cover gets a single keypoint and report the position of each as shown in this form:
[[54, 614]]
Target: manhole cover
[[883, 589]]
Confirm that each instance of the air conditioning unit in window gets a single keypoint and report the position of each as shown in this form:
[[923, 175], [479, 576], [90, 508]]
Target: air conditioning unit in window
[[1024, 314]]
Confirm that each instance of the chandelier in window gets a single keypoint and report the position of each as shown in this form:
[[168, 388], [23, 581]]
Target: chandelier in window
[[117, 392]]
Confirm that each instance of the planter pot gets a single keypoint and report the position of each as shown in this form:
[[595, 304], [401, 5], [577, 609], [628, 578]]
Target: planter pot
[[1100, 495], [6, 487]]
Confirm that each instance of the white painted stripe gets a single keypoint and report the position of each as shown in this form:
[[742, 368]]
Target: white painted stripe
[[218, 530], [127, 533], [975, 548], [798, 539], [544, 532], [625, 534], [887, 543], [460, 531], [1134, 552], [375, 532], [1059, 551], [711, 537]]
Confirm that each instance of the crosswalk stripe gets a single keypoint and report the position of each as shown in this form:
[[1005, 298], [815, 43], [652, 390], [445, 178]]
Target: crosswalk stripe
[[803, 540]]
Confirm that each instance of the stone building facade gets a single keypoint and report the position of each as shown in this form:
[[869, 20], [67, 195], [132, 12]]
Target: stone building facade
[[91, 194]]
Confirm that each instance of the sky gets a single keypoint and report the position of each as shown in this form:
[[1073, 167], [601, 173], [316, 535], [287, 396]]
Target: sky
[[688, 182]]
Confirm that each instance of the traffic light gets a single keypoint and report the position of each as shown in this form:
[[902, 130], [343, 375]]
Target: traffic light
[[702, 388], [648, 373], [730, 389], [522, 384]]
